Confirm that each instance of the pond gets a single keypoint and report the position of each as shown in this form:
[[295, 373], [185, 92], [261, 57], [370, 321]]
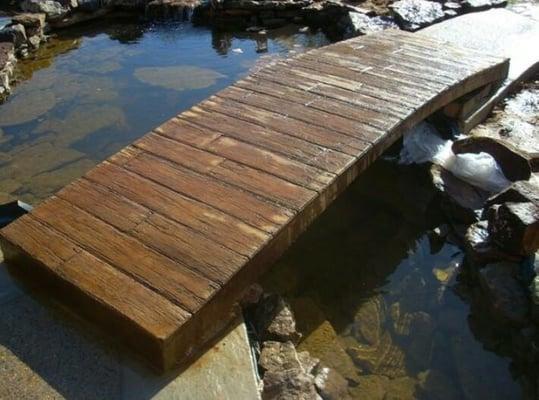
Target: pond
[[376, 296]]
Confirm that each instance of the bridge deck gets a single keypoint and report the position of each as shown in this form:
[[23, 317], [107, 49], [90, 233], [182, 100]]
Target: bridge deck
[[157, 243]]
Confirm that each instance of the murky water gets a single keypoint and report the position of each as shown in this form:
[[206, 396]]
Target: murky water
[[91, 91], [377, 298], [375, 295]]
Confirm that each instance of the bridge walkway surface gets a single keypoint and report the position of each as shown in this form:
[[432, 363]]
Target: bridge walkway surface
[[157, 243]]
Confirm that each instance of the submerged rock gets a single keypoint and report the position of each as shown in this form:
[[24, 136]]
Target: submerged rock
[[26, 107], [372, 387], [507, 297], [182, 77], [514, 227], [384, 358], [369, 321], [355, 23], [415, 14], [514, 164], [330, 384]]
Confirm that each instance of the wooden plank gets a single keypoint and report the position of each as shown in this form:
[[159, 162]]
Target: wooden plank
[[289, 146], [281, 123], [216, 225], [174, 281], [158, 242], [248, 208], [330, 122]]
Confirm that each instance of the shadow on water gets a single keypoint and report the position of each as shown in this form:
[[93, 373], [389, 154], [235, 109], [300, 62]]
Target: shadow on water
[[377, 296]]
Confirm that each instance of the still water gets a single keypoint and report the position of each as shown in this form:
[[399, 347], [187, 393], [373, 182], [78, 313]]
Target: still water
[[90, 92], [375, 295]]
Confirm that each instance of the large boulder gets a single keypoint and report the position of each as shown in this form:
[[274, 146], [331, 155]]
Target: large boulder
[[507, 298], [330, 384], [480, 247], [355, 24], [518, 192], [481, 5], [514, 227], [291, 384], [514, 165], [52, 9], [416, 14]]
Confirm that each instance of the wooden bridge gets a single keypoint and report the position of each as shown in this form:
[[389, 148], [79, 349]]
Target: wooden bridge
[[157, 243]]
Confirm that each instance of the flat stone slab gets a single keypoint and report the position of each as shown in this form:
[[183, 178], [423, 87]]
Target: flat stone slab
[[46, 356], [498, 31]]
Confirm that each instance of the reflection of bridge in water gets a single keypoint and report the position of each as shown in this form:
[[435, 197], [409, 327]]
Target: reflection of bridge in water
[[158, 242]]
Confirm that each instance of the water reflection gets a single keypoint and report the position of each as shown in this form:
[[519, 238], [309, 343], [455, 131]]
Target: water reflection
[[377, 298], [94, 89]]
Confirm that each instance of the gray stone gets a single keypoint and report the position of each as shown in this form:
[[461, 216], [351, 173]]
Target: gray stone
[[277, 356], [514, 227], [518, 192], [34, 24], [52, 9], [480, 247], [354, 24], [307, 362], [415, 14], [15, 34], [274, 320], [330, 384], [292, 384], [507, 297], [482, 5]]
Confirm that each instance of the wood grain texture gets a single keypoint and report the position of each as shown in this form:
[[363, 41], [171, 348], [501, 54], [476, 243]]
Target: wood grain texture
[[158, 242]]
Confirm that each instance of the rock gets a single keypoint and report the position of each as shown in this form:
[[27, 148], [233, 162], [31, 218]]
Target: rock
[[401, 389], [251, 295], [371, 387], [481, 249], [330, 384], [323, 343], [507, 298], [292, 384], [34, 23], [308, 363], [274, 320], [277, 356], [385, 358], [7, 62], [354, 24], [15, 34], [514, 164], [452, 5], [52, 9], [460, 201], [481, 5], [34, 42], [415, 14], [435, 385], [369, 321], [518, 192], [514, 227]]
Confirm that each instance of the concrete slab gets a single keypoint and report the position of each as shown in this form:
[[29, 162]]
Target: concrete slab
[[46, 354], [499, 32]]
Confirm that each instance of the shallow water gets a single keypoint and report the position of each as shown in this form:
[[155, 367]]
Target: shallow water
[[91, 91], [376, 296]]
